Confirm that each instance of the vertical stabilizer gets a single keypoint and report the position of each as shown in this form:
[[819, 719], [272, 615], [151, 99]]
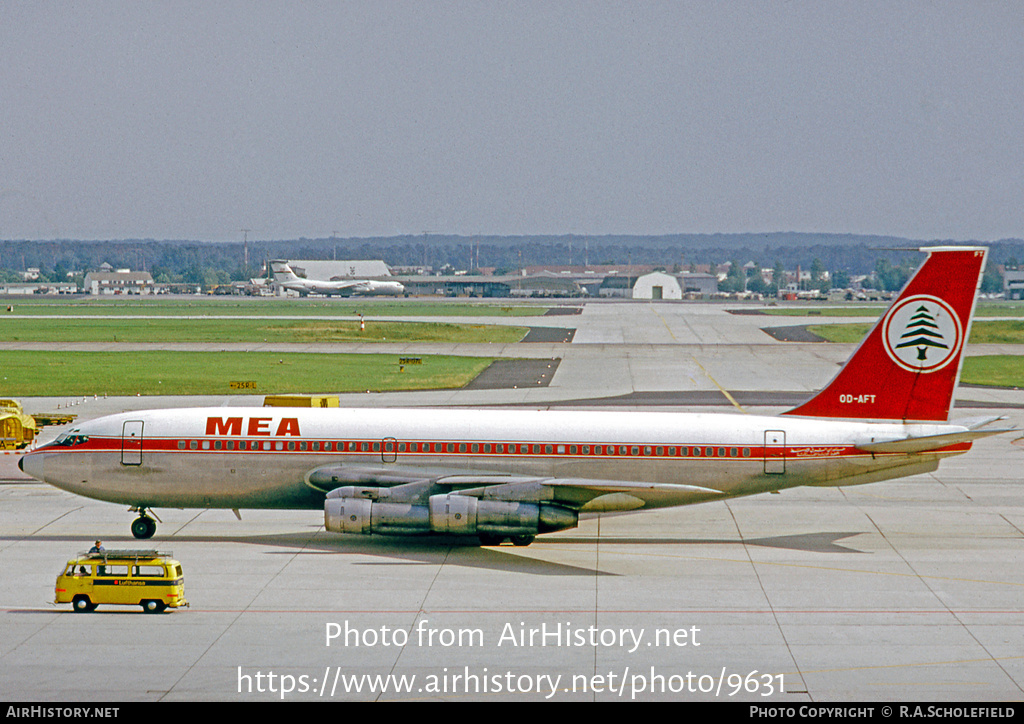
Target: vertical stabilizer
[[908, 366], [283, 272]]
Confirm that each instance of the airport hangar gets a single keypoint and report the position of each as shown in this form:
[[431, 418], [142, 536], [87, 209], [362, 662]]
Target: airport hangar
[[908, 590]]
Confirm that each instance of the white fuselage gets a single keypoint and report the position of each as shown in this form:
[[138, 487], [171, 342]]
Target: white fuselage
[[269, 457], [356, 287]]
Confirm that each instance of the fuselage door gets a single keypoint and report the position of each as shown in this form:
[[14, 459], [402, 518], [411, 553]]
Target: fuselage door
[[389, 449], [131, 443], [774, 452]]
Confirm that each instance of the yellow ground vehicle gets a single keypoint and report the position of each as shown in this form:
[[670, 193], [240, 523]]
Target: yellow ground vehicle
[[18, 429], [146, 578]]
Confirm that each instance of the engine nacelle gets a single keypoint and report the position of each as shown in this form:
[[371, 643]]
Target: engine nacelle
[[449, 514], [359, 515], [466, 515]]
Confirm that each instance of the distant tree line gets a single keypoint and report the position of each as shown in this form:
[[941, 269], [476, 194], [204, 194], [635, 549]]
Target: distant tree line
[[889, 260]]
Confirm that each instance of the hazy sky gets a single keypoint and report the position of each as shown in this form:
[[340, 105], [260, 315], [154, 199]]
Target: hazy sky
[[180, 120]]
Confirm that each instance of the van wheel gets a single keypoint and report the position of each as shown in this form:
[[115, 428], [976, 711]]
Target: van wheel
[[522, 540], [153, 606], [490, 539], [82, 604]]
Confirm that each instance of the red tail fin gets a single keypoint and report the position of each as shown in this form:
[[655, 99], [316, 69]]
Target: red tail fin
[[908, 366]]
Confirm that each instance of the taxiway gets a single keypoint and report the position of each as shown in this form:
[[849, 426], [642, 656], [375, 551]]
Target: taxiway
[[908, 590]]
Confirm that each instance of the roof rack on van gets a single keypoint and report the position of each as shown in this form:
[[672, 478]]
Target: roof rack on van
[[127, 553]]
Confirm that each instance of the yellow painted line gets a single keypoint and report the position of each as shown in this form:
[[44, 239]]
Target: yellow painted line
[[720, 388]]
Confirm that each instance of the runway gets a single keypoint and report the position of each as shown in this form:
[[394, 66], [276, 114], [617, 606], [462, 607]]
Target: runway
[[909, 590]]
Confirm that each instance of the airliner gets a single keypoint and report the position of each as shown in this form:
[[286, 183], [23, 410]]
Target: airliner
[[497, 475], [286, 278]]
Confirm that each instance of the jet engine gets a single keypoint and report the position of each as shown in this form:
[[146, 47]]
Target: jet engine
[[451, 514]]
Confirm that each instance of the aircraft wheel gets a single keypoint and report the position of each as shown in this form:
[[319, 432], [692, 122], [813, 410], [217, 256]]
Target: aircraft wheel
[[153, 606], [522, 540], [82, 604], [490, 539], [143, 527]]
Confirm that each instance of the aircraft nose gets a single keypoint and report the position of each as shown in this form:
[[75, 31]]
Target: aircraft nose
[[31, 464]]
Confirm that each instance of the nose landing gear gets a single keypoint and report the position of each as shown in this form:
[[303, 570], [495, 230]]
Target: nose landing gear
[[144, 526]]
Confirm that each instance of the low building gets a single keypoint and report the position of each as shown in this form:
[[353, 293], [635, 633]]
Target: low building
[[122, 281], [1013, 284], [699, 283], [657, 285], [38, 288]]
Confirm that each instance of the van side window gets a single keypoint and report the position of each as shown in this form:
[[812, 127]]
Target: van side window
[[116, 569]]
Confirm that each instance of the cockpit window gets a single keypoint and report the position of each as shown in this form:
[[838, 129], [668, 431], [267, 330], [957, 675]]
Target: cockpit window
[[69, 439]]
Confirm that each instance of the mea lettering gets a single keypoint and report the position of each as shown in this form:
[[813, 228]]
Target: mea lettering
[[256, 426]]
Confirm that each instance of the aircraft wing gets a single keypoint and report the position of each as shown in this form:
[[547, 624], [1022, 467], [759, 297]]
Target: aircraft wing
[[582, 494], [589, 495]]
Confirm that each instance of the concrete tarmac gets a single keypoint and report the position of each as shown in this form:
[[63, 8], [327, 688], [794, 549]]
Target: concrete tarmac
[[904, 591]]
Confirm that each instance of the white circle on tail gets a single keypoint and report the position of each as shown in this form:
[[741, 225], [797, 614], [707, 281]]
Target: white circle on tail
[[922, 334]]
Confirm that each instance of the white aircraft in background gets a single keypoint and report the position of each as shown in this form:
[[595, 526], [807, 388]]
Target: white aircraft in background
[[515, 474], [285, 278]]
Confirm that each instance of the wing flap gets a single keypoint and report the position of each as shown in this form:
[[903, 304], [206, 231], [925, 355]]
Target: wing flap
[[595, 495]]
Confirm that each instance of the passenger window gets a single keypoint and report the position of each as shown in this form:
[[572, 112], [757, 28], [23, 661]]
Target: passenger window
[[148, 571], [119, 570]]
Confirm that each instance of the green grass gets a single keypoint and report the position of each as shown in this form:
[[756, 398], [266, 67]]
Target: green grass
[[127, 329], [987, 370], [862, 309], [993, 332], [51, 374], [255, 306], [994, 371]]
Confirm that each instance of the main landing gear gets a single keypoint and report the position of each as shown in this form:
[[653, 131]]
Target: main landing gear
[[144, 526]]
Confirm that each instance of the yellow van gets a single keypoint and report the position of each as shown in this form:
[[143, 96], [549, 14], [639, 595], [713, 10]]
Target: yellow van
[[150, 579]]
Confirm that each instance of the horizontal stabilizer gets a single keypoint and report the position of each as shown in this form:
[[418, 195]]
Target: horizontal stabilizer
[[973, 423], [927, 443]]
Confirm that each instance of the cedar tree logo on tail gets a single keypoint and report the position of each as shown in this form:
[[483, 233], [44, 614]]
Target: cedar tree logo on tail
[[922, 334]]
